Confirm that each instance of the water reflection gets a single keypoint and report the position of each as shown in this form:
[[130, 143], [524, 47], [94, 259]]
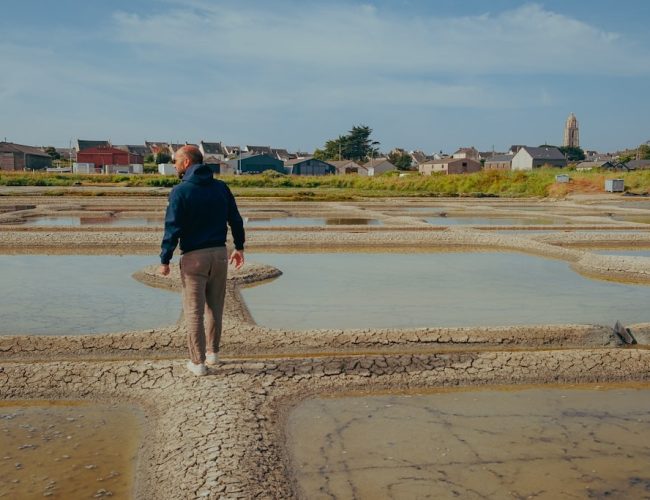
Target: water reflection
[[79, 294], [535, 443], [95, 220], [345, 290]]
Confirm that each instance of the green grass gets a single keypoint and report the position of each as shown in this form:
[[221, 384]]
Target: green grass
[[538, 183]]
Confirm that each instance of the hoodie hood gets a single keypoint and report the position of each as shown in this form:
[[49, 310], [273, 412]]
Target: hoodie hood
[[198, 174]]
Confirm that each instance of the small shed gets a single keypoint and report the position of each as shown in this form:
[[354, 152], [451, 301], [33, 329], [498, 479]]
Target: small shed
[[166, 169], [614, 185]]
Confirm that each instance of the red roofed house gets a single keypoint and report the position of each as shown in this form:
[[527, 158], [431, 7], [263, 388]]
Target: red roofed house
[[108, 155]]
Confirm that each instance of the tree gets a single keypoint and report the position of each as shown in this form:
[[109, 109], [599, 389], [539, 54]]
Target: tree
[[572, 153], [643, 152], [52, 152], [356, 145], [162, 156], [401, 160]]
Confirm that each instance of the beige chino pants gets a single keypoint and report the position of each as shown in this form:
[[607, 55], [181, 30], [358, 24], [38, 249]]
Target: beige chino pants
[[203, 277]]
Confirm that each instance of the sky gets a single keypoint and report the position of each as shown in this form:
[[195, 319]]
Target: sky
[[433, 75]]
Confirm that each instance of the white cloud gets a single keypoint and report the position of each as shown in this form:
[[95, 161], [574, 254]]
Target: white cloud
[[528, 39]]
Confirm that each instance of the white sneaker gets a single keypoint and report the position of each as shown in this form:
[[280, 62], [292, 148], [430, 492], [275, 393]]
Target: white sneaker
[[198, 370], [211, 358]]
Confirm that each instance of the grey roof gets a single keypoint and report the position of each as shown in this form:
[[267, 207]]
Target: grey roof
[[154, 147], [213, 148], [260, 150], [544, 153], [10, 147], [638, 164], [296, 161], [282, 154], [86, 144], [135, 149], [499, 159]]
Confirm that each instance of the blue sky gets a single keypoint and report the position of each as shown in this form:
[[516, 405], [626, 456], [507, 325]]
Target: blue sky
[[432, 75]]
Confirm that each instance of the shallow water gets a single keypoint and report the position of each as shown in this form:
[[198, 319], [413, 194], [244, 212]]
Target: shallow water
[[491, 221], [638, 219], [80, 294], [342, 290], [67, 450], [88, 221], [254, 221], [534, 443]]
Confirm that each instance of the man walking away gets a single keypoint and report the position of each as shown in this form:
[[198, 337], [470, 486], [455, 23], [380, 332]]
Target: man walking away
[[199, 209]]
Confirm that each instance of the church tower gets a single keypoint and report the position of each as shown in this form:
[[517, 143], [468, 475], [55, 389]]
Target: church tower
[[571, 134]]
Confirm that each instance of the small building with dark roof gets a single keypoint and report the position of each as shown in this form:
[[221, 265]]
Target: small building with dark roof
[[309, 166], [255, 164], [638, 164], [528, 158], [20, 157]]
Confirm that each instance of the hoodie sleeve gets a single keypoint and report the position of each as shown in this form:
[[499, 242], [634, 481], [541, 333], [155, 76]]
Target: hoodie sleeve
[[235, 221], [172, 227]]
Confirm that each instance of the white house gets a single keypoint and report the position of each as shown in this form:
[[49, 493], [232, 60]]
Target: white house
[[379, 166], [528, 158]]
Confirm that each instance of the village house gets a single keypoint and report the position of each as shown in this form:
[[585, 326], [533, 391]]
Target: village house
[[213, 152], [136, 152], [590, 165], [470, 153], [378, 166], [498, 162], [309, 166], [344, 167], [20, 157], [103, 156], [450, 166], [417, 157], [528, 158]]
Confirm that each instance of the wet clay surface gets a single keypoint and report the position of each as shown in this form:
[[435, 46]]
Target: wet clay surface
[[533, 443], [67, 450]]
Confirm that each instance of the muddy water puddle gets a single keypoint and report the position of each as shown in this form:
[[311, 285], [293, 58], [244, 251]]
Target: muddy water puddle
[[53, 221], [80, 294], [354, 290], [65, 450], [558, 443], [254, 221]]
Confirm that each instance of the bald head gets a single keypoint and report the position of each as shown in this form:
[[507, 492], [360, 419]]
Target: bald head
[[192, 153]]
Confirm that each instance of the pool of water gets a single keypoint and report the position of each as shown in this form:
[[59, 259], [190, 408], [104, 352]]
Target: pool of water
[[641, 252], [67, 450], [308, 221], [91, 221], [79, 294], [354, 290], [492, 221], [582, 442], [638, 219]]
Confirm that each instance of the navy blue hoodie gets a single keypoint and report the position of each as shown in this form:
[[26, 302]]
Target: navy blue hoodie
[[198, 210]]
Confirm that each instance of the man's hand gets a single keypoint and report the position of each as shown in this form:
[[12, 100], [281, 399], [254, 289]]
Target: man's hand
[[237, 258], [163, 269]]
